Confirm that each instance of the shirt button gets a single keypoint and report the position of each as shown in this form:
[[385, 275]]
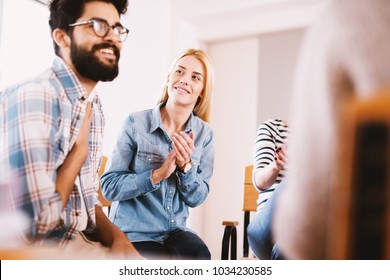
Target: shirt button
[[172, 221], [168, 207], [78, 117], [149, 159]]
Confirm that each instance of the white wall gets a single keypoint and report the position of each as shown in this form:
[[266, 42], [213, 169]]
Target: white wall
[[1, 22], [1, 35], [278, 53], [144, 63], [26, 46], [234, 121]]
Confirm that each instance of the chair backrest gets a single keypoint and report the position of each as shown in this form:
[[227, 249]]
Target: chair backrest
[[249, 204], [102, 200], [250, 193]]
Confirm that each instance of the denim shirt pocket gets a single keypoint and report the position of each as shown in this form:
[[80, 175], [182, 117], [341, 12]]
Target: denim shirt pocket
[[148, 160]]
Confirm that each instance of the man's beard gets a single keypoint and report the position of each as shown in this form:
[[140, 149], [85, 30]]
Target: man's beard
[[89, 66]]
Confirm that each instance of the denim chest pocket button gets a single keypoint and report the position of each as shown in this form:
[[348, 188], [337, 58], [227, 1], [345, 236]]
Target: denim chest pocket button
[[150, 157]]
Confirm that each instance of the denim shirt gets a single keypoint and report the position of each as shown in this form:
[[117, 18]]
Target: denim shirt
[[142, 210]]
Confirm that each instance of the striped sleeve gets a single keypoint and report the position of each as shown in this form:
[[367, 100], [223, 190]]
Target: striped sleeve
[[271, 134]]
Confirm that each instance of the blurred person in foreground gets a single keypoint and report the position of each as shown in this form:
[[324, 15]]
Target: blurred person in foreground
[[344, 54]]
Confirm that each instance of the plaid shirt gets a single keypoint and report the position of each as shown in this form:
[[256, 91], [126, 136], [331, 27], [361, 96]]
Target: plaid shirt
[[39, 123]]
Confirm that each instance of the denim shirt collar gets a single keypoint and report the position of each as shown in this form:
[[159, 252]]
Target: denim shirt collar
[[156, 121], [69, 80]]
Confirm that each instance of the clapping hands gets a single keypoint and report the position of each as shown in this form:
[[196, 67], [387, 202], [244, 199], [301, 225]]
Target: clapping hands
[[183, 144], [183, 147]]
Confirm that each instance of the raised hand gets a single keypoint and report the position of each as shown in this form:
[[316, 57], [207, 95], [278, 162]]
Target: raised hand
[[183, 144], [67, 172], [81, 144], [281, 157]]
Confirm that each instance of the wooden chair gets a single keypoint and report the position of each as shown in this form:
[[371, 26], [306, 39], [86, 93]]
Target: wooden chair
[[106, 204], [230, 232], [359, 211]]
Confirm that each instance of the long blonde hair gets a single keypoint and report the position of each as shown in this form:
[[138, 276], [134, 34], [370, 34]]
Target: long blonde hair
[[203, 105]]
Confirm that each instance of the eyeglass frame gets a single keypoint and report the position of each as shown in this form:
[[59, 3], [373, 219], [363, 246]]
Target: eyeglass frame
[[100, 20]]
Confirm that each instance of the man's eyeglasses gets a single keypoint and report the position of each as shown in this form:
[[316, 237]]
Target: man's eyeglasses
[[101, 28]]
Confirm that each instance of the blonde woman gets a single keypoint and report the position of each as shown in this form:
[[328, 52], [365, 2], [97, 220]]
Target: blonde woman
[[162, 164]]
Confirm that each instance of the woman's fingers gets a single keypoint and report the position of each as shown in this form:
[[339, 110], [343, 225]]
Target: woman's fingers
[[183, 144], [178, 151], [281, 156]]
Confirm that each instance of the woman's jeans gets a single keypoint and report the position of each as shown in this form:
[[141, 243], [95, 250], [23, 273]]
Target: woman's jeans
[[260, 235], [180, 245]]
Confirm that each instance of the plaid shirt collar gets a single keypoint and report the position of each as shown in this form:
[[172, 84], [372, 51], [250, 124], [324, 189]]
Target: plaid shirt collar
[[73, 88]]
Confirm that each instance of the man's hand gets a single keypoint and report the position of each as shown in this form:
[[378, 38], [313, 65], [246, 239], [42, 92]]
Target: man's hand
[[82, 141], [123, 248], [67, 172], [111, 236]]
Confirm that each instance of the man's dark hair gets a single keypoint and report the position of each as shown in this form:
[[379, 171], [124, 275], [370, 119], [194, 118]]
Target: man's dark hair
[[65, 12]]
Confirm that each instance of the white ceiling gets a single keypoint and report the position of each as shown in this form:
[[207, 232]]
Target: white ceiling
[[216, 20], [224, 19], [202, 8]]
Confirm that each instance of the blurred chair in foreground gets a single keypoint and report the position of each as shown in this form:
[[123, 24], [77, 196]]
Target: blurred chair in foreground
[[359, 222]]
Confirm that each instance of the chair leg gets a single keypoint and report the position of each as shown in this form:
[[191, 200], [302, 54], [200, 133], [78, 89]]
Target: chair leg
[[246, 244], [233, 243], [225, 244], [229, 238]]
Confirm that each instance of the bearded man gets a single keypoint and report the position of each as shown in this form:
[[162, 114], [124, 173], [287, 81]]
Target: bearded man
[[51, 130]]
